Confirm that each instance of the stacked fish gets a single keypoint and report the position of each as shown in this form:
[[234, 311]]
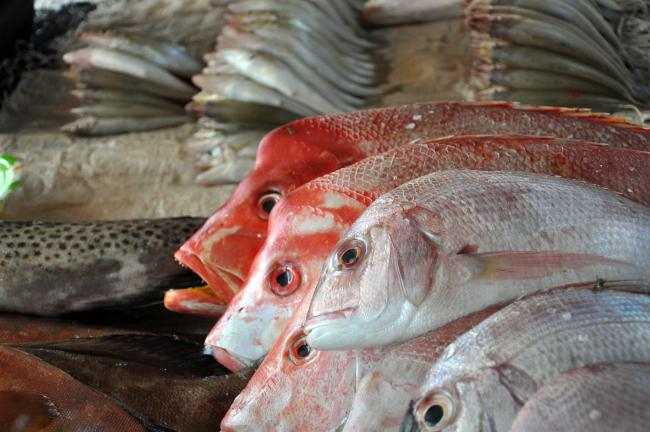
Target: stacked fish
[[561, 53], [134, 76], [396, 12], [444, 266], [276, 61]]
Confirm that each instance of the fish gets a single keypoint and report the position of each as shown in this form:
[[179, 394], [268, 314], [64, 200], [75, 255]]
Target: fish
[[51, 268], [394, 12], [35, 396], [483, 379], [112, 80], [454, 242], [163, 53], [603, 398], [126, 110], [103, 58], [162, 379], [222, 251], [98, 126], [295, 379], [22, 329], [308, 222], [237, 87]]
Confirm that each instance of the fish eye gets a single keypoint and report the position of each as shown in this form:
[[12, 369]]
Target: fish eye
[[350, 253], [300, 351], [265, 204], [435, 412], [284, 280]]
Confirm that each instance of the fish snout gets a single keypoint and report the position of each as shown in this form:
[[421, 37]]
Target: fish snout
[[244, 335]]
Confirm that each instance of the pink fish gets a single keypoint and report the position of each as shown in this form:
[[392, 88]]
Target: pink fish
[[308, 222], [222, 251], [297, 388]]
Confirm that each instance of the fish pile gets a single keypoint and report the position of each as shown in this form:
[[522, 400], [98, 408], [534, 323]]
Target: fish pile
[[564, 53], [397, 12], [132, 75], [277, 61], [440, 266]]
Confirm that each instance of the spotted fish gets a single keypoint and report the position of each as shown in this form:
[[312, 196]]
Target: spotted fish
[[49, 268]]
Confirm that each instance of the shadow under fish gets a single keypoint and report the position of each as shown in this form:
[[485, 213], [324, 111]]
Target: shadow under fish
[[52, 268], [163, 382]]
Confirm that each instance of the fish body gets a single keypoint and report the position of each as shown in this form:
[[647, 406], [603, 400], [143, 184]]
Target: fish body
[[484, 378], [602, 398], [125, 63], [98, 126], [223, 250], [308, 222], [454, 242], [158, 378], [392, 12], [50, 268], [40, 397]]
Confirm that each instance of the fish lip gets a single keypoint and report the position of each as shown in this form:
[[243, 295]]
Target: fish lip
[[229, 360], [219, 279], [317, 321]]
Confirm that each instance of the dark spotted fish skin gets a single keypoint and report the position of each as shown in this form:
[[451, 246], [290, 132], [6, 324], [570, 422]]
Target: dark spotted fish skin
[[50, 268]]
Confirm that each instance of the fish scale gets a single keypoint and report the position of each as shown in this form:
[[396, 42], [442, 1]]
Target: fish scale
[[80, 265], [485, 237], [255, 317], [222, 251], [491, 372]]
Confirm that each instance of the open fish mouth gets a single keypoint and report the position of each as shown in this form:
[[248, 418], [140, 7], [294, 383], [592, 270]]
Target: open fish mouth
[[220, 279]]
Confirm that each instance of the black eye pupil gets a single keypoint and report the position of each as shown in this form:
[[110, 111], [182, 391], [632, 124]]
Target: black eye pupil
[[303, 350], [268, 204], [350, 256], [284, 278], [433, 415]]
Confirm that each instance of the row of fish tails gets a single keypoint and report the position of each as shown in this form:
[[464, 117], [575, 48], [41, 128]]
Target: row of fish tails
[[276, 61], [130, 76], [561, 53]]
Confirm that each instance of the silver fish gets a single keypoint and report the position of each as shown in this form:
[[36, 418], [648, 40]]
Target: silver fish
[[485, 377], [454, 242]]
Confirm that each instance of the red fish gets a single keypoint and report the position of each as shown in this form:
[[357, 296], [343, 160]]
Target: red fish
[[309, 221], [222, 251]]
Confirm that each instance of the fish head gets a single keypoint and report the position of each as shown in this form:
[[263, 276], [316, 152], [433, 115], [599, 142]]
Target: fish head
[[295, 387], [303, 229], [222, 251], [476, 401], [373, 282]]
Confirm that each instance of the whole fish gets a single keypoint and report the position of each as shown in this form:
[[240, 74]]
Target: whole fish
[[163, 379], [50, 268], [35, 396], [112, 60], [223, 250], [308, 222], [602, 398], [454, 242], [161, 52], [294, 379], [484, 378]]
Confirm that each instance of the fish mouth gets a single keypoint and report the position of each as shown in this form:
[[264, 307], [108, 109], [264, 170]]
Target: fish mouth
[[223, 281], [319, 328], [229, 360]]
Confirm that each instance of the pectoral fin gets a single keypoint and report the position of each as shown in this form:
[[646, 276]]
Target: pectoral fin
[[521, 265]]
